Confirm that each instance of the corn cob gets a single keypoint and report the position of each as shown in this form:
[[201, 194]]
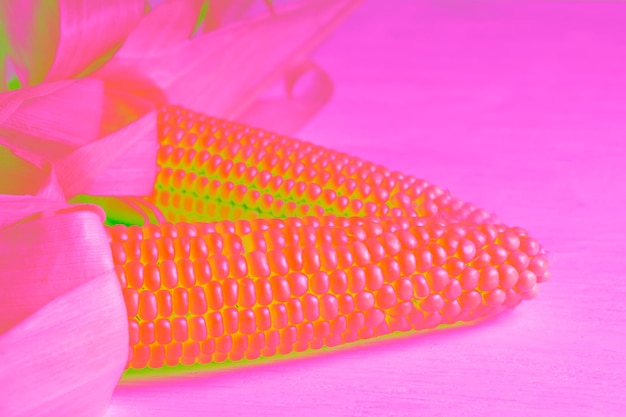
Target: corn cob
[[211, 169], [204, 292], [276, 245]]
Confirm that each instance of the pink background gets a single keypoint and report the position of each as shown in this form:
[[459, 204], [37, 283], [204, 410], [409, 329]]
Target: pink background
[[520, 108]]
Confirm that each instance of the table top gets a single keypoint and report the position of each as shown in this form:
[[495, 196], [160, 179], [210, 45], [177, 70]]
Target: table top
[[519, 108]]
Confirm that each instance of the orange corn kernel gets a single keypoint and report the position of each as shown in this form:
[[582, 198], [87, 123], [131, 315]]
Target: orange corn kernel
[[300, 304]]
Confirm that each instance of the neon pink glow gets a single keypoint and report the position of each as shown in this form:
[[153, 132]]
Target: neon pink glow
[[517, 107]]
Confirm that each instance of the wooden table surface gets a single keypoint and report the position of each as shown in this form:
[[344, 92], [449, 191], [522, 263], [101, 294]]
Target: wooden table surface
[[521, 109]]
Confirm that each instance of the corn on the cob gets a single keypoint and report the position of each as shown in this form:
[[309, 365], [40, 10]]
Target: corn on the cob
[[211, 169], [312, 248], [206, 292]]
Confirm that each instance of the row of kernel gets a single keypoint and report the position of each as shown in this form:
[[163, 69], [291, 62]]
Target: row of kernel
[[177, 207], [244, 204], [249, 200], [236, 346], [264, 181], [452, 242], [297, 192], [449, 242], [213, 167], [173, 337], [330, 200], [373, 275], [317, 156], [181, 301]]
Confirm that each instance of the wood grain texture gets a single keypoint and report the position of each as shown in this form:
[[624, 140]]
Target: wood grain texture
[[521, 109]]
